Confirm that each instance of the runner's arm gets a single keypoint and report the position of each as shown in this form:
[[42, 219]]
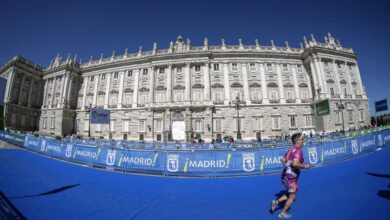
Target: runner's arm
[[297, 164]]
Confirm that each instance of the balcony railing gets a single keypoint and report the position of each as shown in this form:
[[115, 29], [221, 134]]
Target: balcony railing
[[218, 102], [335, 96], [348, 96], [306, 100], [256, 101], [290, 100], [274, 101], [359, 96]]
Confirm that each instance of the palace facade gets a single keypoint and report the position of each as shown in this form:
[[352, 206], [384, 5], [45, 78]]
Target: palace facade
[[254, 91]]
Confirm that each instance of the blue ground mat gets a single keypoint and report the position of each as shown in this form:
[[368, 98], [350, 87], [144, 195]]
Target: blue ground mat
[[45, 188]]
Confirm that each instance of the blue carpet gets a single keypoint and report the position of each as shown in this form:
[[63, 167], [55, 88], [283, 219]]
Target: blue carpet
[[44, 188]]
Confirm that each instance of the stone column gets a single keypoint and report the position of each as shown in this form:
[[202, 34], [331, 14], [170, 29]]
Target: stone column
[[360, 84], [349, 85], [85, 82], [315, 80], [53, 93], [206, 91], [134, 103], [45, 88], [69, 91], [29, 93], [337, 79], [226, 83], [8, 88], [280, 82], [151, 86], [169, 83], [187, 83], [321, 77], [21, 90], [295, 79], [108, 83], [263, 84], [120, 95], [245, 82], [65, 84]]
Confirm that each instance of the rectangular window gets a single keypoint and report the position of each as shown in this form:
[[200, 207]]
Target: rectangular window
[[309, 121], [338, 66], [218, 124], [92, 78], [98, 127], [125, 125], [276, 122], [44, 123], [115, 75], [130, 73], [216, 67], [234, 67], [292, 121], [141, 126], [197, 68], [350, 116], [145, 72], [339, 117], [269, 67], [361, 113], [112, 125], [285, 68], [331, 91], [103, 76], [53, 121], [259, 124], [161, 70], [179, 69], [86, 125], [299, 68], [252, 66], [159, 125], [198, 125]]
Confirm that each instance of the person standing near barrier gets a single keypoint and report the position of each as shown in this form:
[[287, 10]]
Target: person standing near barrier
[[292, 164]]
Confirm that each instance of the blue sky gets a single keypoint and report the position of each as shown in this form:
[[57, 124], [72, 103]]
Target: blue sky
[[38, 30]]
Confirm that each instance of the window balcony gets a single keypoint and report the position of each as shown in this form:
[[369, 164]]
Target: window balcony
[[290, 100], [218, 102], [256, 101], [335, 96], [306, 100], [274, 101], [359, 96], [348, 96]]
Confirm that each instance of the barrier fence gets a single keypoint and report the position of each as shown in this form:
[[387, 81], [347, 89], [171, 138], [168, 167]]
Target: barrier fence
[[247, 160]]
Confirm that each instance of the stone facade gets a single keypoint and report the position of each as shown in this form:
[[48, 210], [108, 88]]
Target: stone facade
[[275, 87]]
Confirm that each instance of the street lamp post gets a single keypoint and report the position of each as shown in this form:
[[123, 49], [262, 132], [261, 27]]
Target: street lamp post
[[88, 109], [34, 115], [341, 107], [237, 103]]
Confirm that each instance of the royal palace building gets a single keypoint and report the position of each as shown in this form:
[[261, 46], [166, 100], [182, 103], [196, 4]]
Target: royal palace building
[[252, 91]]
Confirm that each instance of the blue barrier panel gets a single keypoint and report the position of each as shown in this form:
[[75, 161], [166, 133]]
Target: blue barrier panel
[[271, 159], [386, 136], [83, 154], [311, 154], [235, 159], [333, 151], [32, 143], [367, 143], [141, 161]]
